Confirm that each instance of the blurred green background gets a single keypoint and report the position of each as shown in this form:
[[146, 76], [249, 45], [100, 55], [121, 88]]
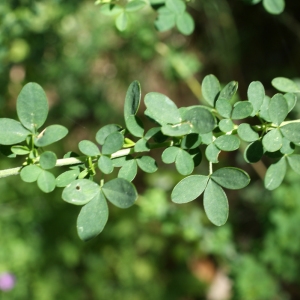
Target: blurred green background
[[155, 250]]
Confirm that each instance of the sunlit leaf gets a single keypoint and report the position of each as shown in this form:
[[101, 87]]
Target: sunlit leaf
[[12, 132], [46, 181], [129, 170], [48, 160], [210, 89], [275, 174], [189, 188], [113, 143], [185, 23], [227, 142], [294, 162], [120, 192], [212, 152], [32, 106], [105, 131], [256, 95], [105, 164], [134, 5], [165, 19], [169, 155], [184, 162], [226, 125], [147, 164], [246, 133], [30, 173], [88, 148], [285, 85], [241, 110], [278, 109], [80, 191], [92, 218], [141, 146], [231, 178], [50, 135], [272, 141], [224, 108], [122, 21], [134, 126], [66, 178], [274, 7], [176, 6], [291, 132], [215, 203]]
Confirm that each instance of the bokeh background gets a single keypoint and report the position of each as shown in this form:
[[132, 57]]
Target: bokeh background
[[156, 249]]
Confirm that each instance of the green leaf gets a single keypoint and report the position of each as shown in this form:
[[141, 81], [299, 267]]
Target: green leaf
[[156, 134], [162, 109], [120, 192], [169, 155], [246, 133], [133, 95], [111, 9], [30, 173], [48, 160], [287, 146], [278, 109], [191, 141], [134, 5], [119, 161], [212, 152], [141, 146], [105, 164], [291, 100], [122, 21], [201, 120], [227, 142], [254, 152], [215, 203], [128, 170], [20, 150], [88, 148], [294, 161], [66, 178], [80, 191], [135, 126], [105, 131], [185, 23], [241, 110], [272, 141], [176, 6], [226, 125], [274, 7], [264, 109], [46, 181], [113, 143], [291, 132], [176, 130], [12, 132], [275, 174], [165, 20], [207, 138], [189, 189], [231, 178], [256, 95], [184, 162], [32, 106], [228, 91], [210, 89], [92, 218], [50, 135], [224, 108], [285, 85], [147, 164]]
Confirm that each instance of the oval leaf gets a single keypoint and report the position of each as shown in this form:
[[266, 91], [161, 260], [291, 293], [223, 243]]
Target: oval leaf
[[120, 192], [184, 162], [215, 204], [66, 178], [128, 170], [185, 23], [113, 143], [80, 191], [12, 132], [254, 152], [105, 131], [162, 109], [274, 7], [50, 135], [227, 142], [30, 173], [189, 188], [46, 181], [285, 85], [32, 106], [212, 152], [88, 148], [231, 178], [105, 164], [92, 218], [48, 160], [241, 110], [169, 155], [147, 164], [133, 96], [256, 95], [272, 141], [294, 161], [210, 89], [275, 174], [291, 132], [278, 109], [201, 120], [246, 133]]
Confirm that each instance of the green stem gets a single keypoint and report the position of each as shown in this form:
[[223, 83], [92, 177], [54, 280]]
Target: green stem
[[81, 159]]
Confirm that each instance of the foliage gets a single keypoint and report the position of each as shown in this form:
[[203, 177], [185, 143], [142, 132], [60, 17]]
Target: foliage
[[181, 131], [85, 77]]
